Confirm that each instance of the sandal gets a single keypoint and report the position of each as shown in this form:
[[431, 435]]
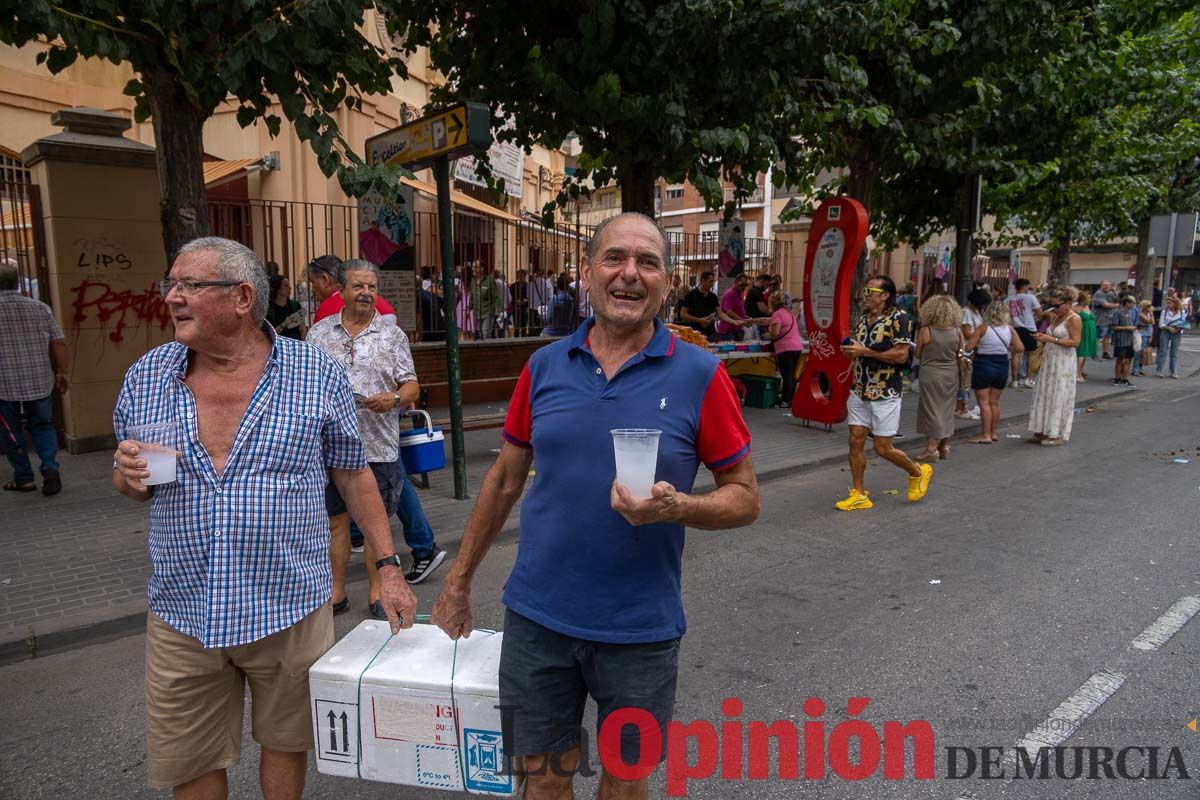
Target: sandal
[[13, 486], [944, 454], [979, 440], [932, 455]]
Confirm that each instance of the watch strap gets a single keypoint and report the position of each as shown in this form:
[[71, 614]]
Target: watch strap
[[388, 561]]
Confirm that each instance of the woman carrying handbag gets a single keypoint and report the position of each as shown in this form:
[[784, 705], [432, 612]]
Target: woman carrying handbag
[[992, 343], [787, 344]]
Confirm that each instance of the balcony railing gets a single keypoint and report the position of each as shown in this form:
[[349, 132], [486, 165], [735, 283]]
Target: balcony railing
[[755, 197]]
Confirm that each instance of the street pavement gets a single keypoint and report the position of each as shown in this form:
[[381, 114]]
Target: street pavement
[[73, 568], [1024, 573]]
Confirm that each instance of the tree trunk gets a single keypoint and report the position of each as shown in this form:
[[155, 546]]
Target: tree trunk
[[1060, 263], [1144, 277], [637, 188], [179, 142], [861, 185]]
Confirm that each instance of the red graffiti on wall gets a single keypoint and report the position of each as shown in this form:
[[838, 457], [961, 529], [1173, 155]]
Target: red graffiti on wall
[[127, 307]]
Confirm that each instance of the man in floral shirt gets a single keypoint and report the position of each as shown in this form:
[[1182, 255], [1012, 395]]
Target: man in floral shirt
[[880, 348]]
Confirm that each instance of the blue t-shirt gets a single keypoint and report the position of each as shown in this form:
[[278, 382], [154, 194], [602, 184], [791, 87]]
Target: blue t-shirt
[[581, 569]]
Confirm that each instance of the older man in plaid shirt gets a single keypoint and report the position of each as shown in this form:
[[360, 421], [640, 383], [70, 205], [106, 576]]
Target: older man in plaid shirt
[[240, 540], [29, 340]]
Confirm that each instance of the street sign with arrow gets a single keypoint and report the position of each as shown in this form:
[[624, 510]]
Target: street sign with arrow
[[462, 129]]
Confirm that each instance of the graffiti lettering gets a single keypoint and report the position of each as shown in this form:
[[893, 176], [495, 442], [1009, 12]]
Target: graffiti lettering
[[101, 253], [126, 307], [103, 260]]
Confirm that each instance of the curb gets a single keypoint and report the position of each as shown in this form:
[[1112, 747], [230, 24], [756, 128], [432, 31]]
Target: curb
[[38, 645]]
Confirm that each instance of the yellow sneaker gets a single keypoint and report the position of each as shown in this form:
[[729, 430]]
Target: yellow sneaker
[[918, 486], [854, 501]]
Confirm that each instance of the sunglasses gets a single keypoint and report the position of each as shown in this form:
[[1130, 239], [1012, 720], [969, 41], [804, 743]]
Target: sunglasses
[[873, 290]]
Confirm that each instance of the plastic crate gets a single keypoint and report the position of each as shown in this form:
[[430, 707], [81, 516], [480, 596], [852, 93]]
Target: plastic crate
[[761, 392]]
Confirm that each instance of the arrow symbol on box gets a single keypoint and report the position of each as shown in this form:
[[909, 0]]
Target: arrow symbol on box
[[345, 733], [332, 732]]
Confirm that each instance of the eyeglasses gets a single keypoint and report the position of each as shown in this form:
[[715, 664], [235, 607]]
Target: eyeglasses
[[873, 290], [348, 346], [189, 288]]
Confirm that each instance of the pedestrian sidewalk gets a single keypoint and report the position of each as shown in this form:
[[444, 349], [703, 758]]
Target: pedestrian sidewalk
[[73, 568]]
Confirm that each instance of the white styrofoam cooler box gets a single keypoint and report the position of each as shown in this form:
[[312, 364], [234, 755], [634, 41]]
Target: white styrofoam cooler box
[[400, 725]]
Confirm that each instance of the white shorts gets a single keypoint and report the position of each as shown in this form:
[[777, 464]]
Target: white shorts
[[881, 417]]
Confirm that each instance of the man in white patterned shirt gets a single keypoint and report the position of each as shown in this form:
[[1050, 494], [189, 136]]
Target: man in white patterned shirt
[[30, 340], [378, 362], [240, 541]]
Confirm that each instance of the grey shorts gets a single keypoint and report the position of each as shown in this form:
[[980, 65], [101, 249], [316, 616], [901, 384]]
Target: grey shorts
[[546, 677], [389, 477]]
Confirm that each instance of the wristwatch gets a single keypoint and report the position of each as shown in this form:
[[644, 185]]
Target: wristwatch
[[389, 561]]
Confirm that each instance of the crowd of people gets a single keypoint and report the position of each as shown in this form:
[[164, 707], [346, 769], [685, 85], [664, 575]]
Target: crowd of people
[[287, 447]]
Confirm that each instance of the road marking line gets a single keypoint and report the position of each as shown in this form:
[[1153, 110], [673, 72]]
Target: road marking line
[[1168, 624], [1185, 397], [1070, 714]]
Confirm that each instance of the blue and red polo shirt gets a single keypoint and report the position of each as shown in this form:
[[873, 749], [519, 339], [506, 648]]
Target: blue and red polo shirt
[[581, 569]]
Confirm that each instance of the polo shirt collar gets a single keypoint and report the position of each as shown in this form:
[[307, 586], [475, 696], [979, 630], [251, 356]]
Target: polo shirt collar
[[661, 344]]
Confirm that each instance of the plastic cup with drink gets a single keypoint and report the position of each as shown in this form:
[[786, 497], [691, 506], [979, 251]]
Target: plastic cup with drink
[[158, 446], [636, 451]]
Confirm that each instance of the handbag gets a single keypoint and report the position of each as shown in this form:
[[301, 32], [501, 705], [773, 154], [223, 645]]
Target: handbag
[[771, 344], [966, 363]]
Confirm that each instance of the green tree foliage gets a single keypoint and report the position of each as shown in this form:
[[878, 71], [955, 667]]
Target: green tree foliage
[[190, 57], [695, 89], [1115, 139]]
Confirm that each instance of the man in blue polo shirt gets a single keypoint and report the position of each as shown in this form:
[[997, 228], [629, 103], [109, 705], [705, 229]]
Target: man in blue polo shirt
[[594, 603]]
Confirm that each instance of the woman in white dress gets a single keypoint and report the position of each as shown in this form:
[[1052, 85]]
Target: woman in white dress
[[1053, 408]]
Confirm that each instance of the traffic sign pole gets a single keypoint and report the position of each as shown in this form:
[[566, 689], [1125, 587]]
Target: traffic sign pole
[[434, 140], [441, 172]]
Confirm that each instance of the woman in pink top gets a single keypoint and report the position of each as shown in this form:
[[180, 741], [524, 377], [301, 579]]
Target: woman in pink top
[[785, 334]]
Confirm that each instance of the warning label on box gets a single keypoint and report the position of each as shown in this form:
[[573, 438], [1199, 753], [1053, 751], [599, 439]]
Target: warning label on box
[[418, 721]]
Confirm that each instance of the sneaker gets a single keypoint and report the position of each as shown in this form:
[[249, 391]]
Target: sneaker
[[1015, 385], [855, 501], [357, 548], [1028, 383], [422, 568], [341, 606], [919, 485], [1108, 356], [376, 610], [1116, 381]]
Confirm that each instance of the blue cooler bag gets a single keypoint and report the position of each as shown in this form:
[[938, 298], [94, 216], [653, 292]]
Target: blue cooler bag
[[422, 449]]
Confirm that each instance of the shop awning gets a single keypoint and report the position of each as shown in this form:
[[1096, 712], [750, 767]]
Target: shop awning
[[217, 173], [461, 201]]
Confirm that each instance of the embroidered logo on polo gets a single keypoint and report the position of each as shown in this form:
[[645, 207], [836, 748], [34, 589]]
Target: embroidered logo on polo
[[662, 404]]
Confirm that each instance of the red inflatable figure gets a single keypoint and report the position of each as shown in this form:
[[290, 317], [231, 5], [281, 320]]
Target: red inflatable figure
[[834, 244]]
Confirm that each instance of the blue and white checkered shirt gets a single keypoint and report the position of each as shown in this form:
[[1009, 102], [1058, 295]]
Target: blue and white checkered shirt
[[243, 555]]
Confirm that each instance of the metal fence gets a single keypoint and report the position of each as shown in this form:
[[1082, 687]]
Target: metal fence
[[508, 270], [22, 237]]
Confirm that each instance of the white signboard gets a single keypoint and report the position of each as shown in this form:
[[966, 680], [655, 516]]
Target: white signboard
[[507, 161], [825, 274]]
